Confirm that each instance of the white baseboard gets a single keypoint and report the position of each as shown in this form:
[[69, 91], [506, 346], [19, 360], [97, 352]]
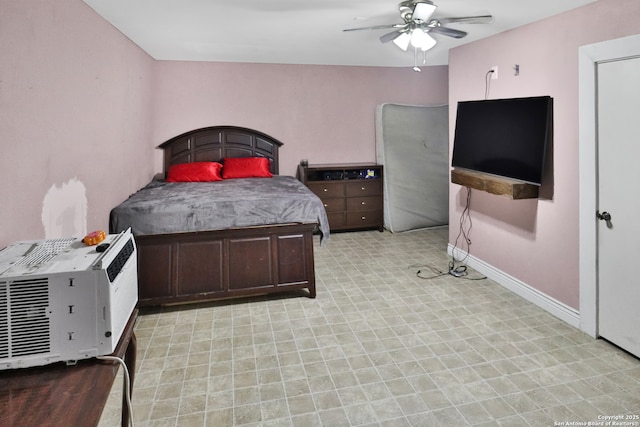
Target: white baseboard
[[542, 300]]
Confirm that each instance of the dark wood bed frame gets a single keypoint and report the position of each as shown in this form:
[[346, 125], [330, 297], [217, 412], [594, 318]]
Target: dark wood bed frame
[[219, 264]]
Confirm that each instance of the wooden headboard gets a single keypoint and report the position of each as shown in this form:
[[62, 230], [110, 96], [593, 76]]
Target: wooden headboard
[[212, 144]]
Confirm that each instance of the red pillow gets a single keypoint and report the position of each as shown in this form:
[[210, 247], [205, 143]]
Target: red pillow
[[246, 167], [195, 172]]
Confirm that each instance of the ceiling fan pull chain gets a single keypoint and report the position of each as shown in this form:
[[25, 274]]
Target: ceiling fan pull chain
[[415, 60]]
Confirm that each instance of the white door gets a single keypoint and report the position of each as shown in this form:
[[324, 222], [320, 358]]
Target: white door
[[618, 92]]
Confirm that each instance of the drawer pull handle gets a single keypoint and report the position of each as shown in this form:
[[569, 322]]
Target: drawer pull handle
[[325, 189], [363, 188], [363, 203], [325, 205], [364, 217]]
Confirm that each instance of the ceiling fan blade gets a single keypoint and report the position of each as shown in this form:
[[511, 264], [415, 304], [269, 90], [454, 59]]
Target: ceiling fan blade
[[392, 35], [450, 32], [423, 11], [479, 19], [375, 27]]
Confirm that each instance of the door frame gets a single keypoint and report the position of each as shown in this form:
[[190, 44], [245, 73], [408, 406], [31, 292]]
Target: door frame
[[588, 58]]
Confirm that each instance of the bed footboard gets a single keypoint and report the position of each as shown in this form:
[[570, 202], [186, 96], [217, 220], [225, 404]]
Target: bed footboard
[[219, 264]]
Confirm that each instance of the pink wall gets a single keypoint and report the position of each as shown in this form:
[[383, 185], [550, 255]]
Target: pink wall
[[75, 118], [535, 241], [82, 108], [320, 113]]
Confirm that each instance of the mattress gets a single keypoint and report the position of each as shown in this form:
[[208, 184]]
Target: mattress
[[412, 142], [174, 207]]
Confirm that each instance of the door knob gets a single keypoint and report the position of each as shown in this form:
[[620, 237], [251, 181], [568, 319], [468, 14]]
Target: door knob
[[606, 217]]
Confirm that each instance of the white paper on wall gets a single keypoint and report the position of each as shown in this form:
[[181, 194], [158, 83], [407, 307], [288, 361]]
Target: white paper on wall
[[64, 210]]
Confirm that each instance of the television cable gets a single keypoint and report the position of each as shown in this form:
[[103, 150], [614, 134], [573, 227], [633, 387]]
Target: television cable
[[464, 233], [487, 83]]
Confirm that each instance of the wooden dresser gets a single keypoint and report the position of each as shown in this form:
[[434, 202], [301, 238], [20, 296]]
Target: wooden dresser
[[351, 193]]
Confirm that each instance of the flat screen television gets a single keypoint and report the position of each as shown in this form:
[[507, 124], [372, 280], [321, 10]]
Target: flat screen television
[[504, 137]]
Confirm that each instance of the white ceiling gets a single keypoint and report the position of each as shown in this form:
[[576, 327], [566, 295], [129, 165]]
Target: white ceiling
[[302, 31]]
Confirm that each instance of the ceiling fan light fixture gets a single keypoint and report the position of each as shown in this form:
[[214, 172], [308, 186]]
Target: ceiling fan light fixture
[[419, 24], [428, 45], [402, 41], [422, 40]]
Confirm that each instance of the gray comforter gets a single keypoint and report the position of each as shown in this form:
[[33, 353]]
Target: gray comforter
[[170, 207]]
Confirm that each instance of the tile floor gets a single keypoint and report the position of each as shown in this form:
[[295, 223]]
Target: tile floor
[[379, 346]]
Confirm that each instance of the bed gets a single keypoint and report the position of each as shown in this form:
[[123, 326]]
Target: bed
[[201, 241]]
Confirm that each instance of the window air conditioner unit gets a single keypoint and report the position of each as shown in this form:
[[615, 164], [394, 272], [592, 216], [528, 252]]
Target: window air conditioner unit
[[63, 301]]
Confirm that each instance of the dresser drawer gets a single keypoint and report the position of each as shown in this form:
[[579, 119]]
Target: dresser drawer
[[364, 188], [337, 220], [364, 219], [365, 203], [327, 188], [332, 204]]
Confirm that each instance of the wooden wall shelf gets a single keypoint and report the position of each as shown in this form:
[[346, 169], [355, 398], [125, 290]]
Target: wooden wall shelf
[[494, 185]]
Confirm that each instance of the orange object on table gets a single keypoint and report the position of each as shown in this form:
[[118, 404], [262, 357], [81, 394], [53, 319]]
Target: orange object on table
[[94, 238]]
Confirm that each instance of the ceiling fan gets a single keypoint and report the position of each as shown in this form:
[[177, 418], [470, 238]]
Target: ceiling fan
[[418, 24]]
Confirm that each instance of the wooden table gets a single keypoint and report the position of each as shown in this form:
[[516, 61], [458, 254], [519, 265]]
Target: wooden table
[[61, 395]]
